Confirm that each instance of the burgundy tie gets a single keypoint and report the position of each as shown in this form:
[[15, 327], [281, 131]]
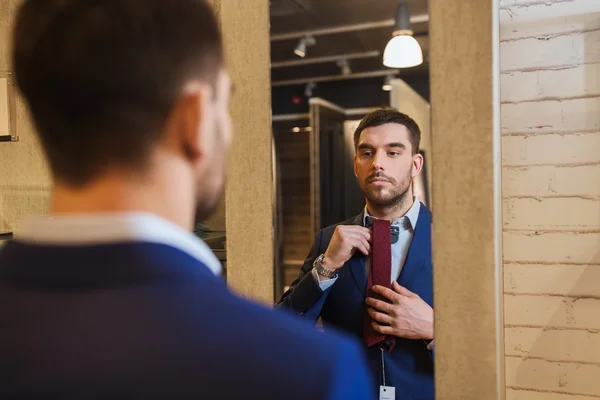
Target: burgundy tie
[[379, 273]]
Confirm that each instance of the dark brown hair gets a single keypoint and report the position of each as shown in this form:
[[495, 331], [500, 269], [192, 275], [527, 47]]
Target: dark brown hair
[[390, 116], [102, 76]]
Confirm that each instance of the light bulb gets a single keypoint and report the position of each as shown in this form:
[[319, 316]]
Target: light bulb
[[300, 49], [402, 51]]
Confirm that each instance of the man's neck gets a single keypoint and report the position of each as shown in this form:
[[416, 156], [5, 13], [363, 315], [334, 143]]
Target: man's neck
[[159, 195], [391, 213]]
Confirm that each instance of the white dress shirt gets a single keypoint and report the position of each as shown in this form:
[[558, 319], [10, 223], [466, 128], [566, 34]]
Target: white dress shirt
[[92, 229], [407, 225]]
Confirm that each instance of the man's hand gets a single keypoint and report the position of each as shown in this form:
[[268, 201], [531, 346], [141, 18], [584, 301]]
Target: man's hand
[[406, 315], [344, 243]]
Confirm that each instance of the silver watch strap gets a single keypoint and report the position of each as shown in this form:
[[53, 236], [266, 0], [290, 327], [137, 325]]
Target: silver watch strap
[[321, 270]]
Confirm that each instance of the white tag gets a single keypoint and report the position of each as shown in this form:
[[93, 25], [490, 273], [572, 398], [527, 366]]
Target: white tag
[[387, 393]]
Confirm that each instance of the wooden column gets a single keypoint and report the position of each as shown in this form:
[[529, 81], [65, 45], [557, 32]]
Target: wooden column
[[249, 210], [469, 359]]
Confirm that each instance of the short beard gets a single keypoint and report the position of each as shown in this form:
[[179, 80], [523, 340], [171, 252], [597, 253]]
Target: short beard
[[397, 196], [395, 199], [206, 207], [207, 204]]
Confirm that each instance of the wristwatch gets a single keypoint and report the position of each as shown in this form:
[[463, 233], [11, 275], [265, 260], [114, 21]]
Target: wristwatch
[[318, 265]]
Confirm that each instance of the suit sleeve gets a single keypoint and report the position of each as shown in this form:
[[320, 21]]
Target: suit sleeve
[[304, 296], [351, 378]]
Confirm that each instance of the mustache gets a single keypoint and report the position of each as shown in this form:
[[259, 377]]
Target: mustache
[[379, 175]]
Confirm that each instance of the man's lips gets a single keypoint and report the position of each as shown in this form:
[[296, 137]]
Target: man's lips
[[379, 180]]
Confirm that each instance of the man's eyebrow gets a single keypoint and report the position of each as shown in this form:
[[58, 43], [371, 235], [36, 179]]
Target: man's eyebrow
[[400, 145], [365, 146]]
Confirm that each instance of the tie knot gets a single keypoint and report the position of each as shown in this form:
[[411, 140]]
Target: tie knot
[[379, 224], [370, 222]]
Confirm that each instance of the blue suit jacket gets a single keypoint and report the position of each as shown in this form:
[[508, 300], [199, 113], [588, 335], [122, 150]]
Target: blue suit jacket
[[141, 320], [409, 368]]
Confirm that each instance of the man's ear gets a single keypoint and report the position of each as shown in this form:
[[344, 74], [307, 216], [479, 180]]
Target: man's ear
[[355, 170], [417, 164], [188, 121]]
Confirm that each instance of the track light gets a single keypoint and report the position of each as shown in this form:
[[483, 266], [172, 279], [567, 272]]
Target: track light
[[345, 66], [300, 49], [308, 91], [387, 84], [403, 50]]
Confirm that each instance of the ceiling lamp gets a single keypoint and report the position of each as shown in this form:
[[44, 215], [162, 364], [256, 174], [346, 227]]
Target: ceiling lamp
[[344, 66], [308, 90], [403, 50], [300, 49], [387, 84]]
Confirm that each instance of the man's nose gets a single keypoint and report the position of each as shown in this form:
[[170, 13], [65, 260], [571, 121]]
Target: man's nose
[[377, 164]]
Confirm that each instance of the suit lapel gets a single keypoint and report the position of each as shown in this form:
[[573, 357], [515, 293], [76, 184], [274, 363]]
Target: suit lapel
[[357, 263], [419, 251]]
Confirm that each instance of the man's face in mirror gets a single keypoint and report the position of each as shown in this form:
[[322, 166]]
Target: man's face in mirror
[[385, 164]]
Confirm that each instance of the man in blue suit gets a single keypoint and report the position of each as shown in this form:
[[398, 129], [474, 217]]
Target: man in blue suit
[[112, 296], [333, 280]]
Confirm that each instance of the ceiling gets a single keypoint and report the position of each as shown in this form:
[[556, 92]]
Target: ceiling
[[289, 16]]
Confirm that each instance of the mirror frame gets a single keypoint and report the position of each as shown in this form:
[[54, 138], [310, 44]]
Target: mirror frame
[[467, 199]]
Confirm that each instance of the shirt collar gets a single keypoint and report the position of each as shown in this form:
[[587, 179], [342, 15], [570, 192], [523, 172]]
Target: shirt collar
[[412, 215], [90, 229]]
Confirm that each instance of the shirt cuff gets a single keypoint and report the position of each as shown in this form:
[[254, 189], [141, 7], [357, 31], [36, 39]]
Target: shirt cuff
[[324, 283]]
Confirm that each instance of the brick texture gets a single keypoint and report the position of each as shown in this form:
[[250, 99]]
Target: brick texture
[[550, 119]]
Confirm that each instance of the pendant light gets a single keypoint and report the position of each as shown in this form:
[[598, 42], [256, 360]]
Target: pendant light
[[403, 50]]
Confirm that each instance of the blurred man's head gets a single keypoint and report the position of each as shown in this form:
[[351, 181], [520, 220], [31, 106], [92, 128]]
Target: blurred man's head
[[121, 86], [387, 157]]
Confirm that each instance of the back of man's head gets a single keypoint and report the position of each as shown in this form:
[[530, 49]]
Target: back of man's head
[[101, 77]]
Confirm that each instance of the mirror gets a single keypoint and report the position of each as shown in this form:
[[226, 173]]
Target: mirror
[[334, 63], [321, 97]]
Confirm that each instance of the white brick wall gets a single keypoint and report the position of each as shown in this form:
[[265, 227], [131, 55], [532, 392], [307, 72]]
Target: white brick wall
[[550, 81]]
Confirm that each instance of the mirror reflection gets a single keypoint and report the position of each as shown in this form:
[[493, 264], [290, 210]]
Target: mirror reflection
[[351, 125]]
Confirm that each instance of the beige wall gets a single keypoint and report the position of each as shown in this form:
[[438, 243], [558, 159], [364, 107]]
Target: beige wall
[[469, 337], [24, 178], [405, 99], [249, 211], [550, 63]]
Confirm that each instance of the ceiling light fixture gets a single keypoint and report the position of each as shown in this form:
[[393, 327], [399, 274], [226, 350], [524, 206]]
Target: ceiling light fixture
[[308, 91], [300, 49], [387, 84], [345, 66], [403, 50]]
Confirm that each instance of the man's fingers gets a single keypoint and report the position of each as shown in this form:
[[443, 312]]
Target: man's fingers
[[387, 293], [359, 242], [365, 233], [358, 235], [380, 305], [367, 245], [355, 230], [402, 290], [362, 248], [379, 316], [383, 329]]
